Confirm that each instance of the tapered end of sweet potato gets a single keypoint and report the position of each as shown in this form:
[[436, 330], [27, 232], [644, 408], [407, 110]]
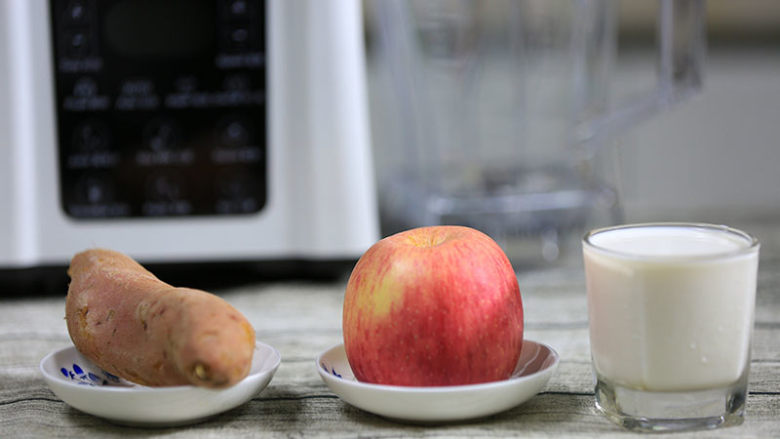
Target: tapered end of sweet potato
[[217, 348]]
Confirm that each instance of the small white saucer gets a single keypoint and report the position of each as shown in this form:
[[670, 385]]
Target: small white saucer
[[86, 387], [445, 403]]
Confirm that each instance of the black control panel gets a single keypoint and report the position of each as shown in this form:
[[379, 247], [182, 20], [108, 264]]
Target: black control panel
[[161, 107]]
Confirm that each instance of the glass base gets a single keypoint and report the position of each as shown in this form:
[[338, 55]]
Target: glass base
[[640, 410]]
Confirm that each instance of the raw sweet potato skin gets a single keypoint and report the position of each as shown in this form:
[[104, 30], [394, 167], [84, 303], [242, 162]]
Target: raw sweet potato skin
[[133, 325]]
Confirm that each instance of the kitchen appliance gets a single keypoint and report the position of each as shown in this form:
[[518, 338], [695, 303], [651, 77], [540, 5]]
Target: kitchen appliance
[[184, 130], [502, 115]]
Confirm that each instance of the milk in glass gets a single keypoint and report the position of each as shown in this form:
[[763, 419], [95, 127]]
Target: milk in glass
[[670, 307]]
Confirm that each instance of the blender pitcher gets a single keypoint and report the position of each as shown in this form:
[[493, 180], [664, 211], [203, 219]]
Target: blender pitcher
[[498, 113]]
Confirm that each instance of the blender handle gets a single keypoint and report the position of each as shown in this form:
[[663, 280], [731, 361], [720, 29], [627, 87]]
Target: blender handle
[[681, 45]]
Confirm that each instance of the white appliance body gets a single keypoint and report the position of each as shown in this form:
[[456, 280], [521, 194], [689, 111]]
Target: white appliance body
[[319, 200]]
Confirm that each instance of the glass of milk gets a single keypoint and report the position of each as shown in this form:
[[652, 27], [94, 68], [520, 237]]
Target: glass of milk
[[671, 315]]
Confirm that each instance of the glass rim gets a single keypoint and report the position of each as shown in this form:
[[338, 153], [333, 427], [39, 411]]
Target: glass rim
[[752, 242]]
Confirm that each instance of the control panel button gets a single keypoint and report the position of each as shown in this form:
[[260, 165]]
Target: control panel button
[[161, 135], [236, 142], [94, 189], [165, 187], [137, 94], [239, 26], [93, 195], [234, 187], [77, 13], [238, 10], [90, 136], [85, 87], [238, 82], [234, 133], [166, 195], [239, 38], [163, 146], [236, 193], [91, 146], [85, 96], [185, 84], [77, 43]]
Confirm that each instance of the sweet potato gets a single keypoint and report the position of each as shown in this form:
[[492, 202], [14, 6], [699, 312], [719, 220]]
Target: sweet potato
[[138, 327]]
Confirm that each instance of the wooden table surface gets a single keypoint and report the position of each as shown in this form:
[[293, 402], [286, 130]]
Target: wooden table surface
[[301, 319]]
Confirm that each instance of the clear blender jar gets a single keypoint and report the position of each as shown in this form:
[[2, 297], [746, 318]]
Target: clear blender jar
[[500, 114]]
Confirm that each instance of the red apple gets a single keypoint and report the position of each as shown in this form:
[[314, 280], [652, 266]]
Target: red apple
[[433, 306]]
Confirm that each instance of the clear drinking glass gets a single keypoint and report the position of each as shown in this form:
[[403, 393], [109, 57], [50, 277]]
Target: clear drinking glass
[[495, 113], [671, 310]]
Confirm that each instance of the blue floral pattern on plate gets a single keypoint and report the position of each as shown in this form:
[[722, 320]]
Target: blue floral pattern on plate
[[331, 370], [77, 374]]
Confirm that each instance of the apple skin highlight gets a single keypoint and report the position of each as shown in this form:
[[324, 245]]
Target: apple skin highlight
[[433, 306]]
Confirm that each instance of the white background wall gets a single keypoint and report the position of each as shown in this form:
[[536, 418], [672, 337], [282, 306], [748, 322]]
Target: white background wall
[[717, 155]]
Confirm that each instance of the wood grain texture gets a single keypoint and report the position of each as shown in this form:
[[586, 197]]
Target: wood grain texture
[[302, 319]]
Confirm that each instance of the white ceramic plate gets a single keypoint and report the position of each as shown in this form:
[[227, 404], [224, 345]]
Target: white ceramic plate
[[440, 404], [86, 387]]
